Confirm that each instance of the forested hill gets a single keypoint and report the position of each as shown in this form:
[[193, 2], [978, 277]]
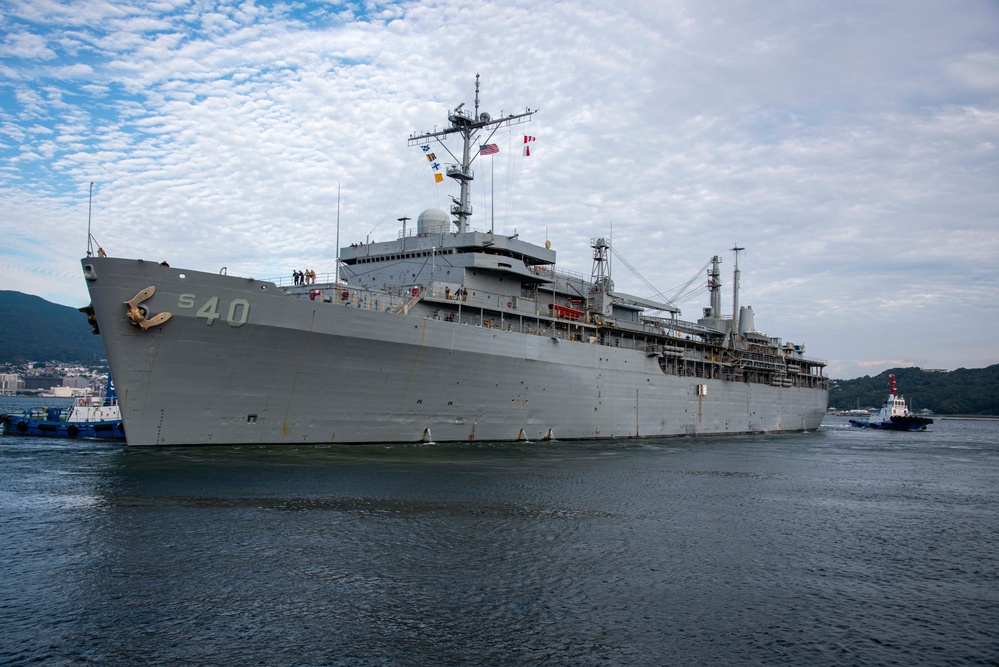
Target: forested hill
[[33, 329], [966, 391]]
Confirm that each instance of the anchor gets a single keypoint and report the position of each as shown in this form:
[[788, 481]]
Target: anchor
[[137, 314], [88, 310]]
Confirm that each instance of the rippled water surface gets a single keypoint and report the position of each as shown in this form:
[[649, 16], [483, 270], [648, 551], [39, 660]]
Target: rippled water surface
[[842, 547]]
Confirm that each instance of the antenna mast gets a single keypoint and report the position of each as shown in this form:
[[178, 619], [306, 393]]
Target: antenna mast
[[337, 233], [467, 126], [90, 208]]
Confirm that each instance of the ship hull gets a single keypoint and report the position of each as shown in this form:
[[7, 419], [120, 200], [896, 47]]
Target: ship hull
[[895, 424], [241, 362], [25, 425]]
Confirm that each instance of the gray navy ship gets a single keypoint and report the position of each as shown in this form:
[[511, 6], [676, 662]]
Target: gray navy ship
[[445, 333]]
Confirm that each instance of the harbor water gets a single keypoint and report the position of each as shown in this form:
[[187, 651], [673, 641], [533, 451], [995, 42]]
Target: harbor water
[[841, 547]]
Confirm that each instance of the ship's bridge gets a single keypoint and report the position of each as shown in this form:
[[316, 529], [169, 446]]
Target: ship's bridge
[[433, 233]]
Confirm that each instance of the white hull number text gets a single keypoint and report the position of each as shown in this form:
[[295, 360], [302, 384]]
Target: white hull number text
[[239, 309]]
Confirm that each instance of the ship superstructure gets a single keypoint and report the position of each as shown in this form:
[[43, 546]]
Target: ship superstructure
[[444, 333]]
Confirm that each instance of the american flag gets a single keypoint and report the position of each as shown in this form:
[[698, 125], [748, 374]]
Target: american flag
[[488, 149]]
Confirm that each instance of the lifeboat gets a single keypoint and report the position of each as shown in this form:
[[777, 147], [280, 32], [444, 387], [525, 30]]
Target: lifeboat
[[566, 311]]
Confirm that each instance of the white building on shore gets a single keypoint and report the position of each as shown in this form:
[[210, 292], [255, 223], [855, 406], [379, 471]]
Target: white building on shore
[[10, 384]]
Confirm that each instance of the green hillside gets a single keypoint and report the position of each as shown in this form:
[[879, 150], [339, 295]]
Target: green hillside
[[33, 329], [966, 391]]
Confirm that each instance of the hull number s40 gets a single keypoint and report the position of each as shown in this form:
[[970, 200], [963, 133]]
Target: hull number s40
[[239, 309]]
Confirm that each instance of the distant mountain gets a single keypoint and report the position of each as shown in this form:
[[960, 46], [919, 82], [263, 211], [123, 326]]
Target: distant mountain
[[966, 391], [33, 329]]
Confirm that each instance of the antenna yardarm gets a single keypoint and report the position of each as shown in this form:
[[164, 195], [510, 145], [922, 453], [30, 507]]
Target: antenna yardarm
[[468, 125]]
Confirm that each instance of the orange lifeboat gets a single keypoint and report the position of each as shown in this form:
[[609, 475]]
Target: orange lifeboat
[[566, 312]]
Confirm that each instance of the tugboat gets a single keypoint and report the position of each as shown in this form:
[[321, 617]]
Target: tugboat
[[894, 415], [89, 417]]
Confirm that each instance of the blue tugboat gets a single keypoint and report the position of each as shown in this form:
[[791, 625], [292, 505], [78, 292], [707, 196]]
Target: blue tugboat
[[90, 417], [894, 415]]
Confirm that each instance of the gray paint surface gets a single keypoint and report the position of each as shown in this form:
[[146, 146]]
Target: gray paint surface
[[271, 365]]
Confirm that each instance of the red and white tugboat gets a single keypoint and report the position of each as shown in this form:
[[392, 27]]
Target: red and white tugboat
[[894, 415]]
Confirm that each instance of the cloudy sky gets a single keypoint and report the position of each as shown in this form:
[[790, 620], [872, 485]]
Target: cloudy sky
[[851, 147]]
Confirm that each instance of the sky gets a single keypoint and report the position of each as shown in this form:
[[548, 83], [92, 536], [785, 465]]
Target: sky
[[852, 148]]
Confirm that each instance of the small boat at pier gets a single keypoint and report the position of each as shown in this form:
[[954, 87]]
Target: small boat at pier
[[88, 417]]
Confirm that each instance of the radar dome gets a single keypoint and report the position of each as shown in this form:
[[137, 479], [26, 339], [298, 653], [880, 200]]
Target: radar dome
[[433, 221]]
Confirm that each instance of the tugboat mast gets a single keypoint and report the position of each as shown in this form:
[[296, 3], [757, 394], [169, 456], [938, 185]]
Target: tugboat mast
[[468, 126]]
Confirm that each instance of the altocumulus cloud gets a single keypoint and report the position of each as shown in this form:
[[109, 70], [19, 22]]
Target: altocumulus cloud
[[851, 148]]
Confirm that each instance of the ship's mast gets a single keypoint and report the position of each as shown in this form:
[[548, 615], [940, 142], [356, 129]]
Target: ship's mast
[[468, 125], [735, 291], [714, 286], [600, 273], [337, 246]]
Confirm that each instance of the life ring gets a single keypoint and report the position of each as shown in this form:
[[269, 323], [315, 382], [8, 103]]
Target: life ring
[[509, 304], [81, 401]]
